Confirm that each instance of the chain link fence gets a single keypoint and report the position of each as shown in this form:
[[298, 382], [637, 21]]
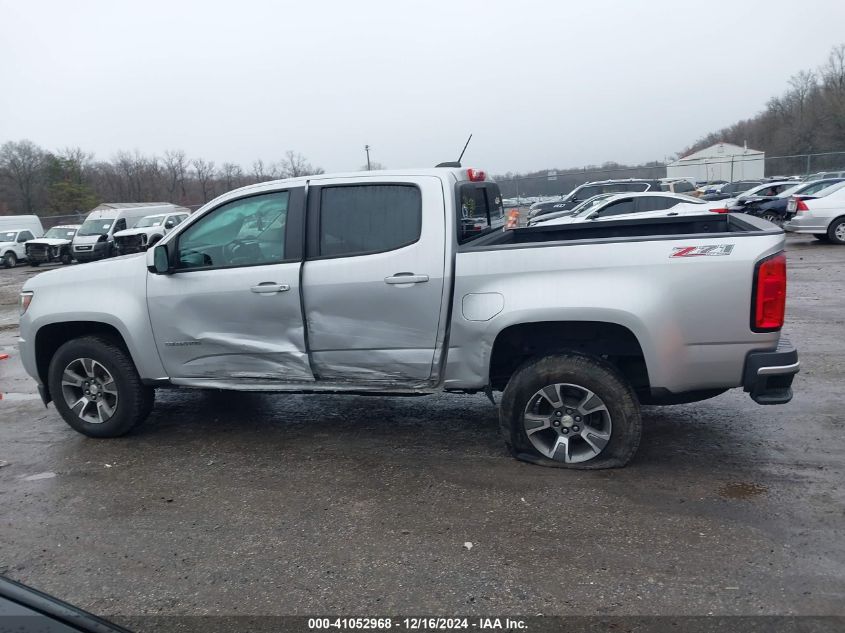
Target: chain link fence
[[555, 183]]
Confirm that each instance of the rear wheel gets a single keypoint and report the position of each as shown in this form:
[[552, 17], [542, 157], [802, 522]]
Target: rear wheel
[[96, 388], [774, 218], [836, 231], [10, 260], [570, 411]]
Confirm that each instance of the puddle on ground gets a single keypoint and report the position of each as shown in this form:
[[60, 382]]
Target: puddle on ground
[[742, 490]]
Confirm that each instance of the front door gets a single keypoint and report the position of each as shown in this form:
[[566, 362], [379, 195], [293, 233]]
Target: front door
[[231, 310], [374, 280]]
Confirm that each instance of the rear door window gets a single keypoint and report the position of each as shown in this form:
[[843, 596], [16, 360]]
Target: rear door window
[[364, 219], [654, 203], [480, 209]]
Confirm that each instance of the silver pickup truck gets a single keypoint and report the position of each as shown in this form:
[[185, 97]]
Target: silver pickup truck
[[405, 283]]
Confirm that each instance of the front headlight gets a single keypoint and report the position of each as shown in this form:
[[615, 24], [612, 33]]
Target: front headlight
[[26, 299]]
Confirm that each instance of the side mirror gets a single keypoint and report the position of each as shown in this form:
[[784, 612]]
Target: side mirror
[[169, 224], [161, 260]]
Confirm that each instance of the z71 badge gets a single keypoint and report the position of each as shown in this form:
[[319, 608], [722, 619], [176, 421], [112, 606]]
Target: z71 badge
[[713, 250]]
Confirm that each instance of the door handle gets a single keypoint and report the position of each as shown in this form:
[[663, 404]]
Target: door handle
[[406, 278], [269, 287]]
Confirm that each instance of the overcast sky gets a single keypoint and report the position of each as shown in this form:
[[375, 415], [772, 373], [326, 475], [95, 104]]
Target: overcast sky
[[539, 84]]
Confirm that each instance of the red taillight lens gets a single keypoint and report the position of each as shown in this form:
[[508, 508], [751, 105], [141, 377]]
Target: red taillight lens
[[770, 294], [722, 210], [513, 219], [800, 206], [476, 175]]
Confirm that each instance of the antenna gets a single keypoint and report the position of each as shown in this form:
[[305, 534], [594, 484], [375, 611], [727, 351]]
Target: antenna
[[457, 163], [465, 149]]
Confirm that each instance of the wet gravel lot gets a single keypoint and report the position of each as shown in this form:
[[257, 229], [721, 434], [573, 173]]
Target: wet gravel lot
[[274, 504]]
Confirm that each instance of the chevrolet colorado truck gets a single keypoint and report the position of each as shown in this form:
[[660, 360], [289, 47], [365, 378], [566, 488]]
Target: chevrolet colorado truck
[[382, 283]]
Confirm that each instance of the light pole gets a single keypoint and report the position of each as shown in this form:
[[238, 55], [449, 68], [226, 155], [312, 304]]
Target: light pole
[[367, 149]]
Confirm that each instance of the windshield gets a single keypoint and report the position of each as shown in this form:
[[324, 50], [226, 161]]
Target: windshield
[[96, 227], [593, 203], [60, 233], [150, 220]]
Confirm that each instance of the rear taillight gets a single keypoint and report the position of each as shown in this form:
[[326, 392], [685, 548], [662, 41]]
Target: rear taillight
[[513, 219], [721, 210], [769, 294], [800, 205]]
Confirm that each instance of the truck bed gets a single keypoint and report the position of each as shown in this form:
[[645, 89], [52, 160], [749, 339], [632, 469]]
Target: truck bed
[[670, 227]]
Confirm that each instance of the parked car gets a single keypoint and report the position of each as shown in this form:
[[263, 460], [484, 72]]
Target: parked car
[[623, 206], [681, 185], [147, 231], [757, 195], [824, 174], [588, 190], [12, 249], [53, 246], [730, 190], [95, 238], [823, 218], [356, 286], [775, 210]]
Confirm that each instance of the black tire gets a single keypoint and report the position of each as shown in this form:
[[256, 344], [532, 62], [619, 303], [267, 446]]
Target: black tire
[[153, 241], [10, 260], [836, 231], [774, 218], [591, 373], [65, 258], [35, 264], [134, 402]]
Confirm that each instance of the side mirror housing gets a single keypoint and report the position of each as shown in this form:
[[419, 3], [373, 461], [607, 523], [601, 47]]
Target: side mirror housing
[[161, 260]]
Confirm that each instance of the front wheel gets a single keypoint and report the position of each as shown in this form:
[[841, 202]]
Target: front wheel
[[65, 259], [96, 388], [836, 231], [570, 411], [10, 260]]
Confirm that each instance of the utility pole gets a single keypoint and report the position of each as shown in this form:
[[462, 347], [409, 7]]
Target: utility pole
[[367, 149]]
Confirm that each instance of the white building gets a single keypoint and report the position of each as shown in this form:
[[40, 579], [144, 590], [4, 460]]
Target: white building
[[722, 161]]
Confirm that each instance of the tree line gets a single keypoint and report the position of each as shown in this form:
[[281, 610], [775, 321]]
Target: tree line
[[808, 118], [38, 181]]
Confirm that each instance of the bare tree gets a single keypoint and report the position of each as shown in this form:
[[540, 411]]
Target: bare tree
[[204, 172], [22, 163], [295, 164], [231, 175], [374, 166], [175, 165]]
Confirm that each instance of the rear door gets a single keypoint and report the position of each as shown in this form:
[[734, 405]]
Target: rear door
[[230, 310], [373, 279]]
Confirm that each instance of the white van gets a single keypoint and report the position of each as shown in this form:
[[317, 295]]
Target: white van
[[95, 238], [15, 230]]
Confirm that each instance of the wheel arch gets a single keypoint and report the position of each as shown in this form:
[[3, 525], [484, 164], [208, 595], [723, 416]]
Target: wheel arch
[[616, 343], [49, 338]]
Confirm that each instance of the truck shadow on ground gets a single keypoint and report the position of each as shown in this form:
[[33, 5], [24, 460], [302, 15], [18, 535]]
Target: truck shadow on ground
[[461, 426]]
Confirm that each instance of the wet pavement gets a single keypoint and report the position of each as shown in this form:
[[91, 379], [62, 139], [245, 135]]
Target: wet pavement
[[278, 504]]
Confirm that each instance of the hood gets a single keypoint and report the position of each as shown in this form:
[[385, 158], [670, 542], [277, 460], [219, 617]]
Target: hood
[[49, 241], [146, 230], [105, 270]]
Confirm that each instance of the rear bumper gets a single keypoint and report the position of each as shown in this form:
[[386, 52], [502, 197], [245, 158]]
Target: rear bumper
[[768, 376]]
